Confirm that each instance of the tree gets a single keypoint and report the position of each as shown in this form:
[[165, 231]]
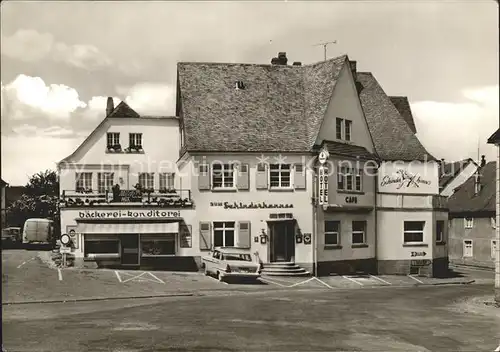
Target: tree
[[41, 200]]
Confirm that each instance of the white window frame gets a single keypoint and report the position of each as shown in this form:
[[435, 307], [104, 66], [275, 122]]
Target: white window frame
[[135, 137], [280, 171], [346, 135], [114, 137], [344, 173], [358, 232], [229, 167], [336, 233], [337, 120], [85, 178], [414, 231], [468, 223], [147, 176], [167, 180], [343, 129], [226, 226], [471, 248], [441, 238], [494, 248], [105, 181]]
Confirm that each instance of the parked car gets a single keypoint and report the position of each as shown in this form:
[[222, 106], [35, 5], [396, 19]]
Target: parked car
[[38, 230], [12, 234], [230, 262]]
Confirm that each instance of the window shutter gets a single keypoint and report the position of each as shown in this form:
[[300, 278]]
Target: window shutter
[[204, 177], [243, 234], [261, 176], [299, 177], [205, 236], [243, 181]]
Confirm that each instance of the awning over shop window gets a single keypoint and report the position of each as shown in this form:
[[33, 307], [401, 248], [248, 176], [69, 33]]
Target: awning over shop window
[[128, 228]]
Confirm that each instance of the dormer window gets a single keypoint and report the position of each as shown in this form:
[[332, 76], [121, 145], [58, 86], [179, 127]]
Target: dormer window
[[239, 85], [343, 129], [113, 138]]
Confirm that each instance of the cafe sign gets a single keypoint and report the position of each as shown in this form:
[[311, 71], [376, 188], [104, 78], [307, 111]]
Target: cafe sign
[[129, 214]]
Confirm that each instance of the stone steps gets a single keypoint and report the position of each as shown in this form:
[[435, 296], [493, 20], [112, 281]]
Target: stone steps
[[283, 269]]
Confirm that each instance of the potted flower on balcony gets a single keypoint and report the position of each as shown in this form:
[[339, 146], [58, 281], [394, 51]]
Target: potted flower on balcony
[[163, 190]]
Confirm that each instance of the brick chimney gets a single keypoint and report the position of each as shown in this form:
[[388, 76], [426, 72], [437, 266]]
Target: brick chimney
[[110, 106], [483, 160], [282, 58]]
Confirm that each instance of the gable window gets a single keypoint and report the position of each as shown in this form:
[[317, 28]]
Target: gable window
[[223, 175], [469, 223], [349, 179], [166, 181], [468, 247], [135, 140], [104, 181], [146, 180], [338, 127], [332, 233], [414, 231], [83, 181], [439, 231], [358, 232], [343, 129], [348, 127], [279, 175], [113, 138], [224, 234]]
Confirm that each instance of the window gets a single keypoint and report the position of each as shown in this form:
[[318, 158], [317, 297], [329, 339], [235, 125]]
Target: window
[[469, 223], [102, 246], [223, 175], [146, 180], [348, 126], [349, 179], [83, 181], [280, 175], [224, 234], [237, 256], [439, 230], [167, 180], [104, 181], [135, 140], [494, 249], [414, 231], [358, 232], [154, 246], [494, 223], [468, 248], [332, 233], [339, 123], [113, 138]]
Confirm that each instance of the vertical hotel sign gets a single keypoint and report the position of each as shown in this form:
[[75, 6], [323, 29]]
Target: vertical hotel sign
[[323, 178]]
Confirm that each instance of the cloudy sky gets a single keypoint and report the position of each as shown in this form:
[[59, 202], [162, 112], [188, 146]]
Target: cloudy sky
[[60, 60]]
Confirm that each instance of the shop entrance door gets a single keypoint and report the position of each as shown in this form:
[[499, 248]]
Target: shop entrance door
[[282, 241], [130, 249]]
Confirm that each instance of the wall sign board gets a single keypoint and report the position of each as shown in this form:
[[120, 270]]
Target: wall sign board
[[418, 177], [129, 214]]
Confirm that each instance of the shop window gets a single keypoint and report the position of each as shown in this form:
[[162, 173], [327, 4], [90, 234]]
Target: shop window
[[146, 180], [469, 223], [103, 246], [83, 181], [223, 175], [112, 138], [166, 180], [494, 248], [414, 231], [224, 234], [157, 246], [439, 231], [349, 179], [105, 181], [135, 140], [468, 248], [280, 175], [358, 232], [332, 233]]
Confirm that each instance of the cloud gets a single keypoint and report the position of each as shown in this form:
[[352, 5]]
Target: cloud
[[452, 130], [31, 46], [150, 98], [53, 131], [29, 97]]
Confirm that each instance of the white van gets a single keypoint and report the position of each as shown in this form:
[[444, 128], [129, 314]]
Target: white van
[[38, 230]]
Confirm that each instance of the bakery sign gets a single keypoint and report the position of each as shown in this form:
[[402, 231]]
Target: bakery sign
[[402, 180], [128, 214]]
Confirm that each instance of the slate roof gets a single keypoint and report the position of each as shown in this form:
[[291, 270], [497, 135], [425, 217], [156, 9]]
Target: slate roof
[[393, 138], [280, 109], [403, 106], [495, 137], [465, 201], [123, 110], [349, 150]]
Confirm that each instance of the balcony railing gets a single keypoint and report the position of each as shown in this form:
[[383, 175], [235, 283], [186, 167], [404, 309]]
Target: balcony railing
[[170, 198]]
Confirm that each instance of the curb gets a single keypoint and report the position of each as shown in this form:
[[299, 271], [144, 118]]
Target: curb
[[452, 283]]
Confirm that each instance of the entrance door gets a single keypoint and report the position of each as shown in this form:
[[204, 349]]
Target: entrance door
[[282, 241], [130, 249]]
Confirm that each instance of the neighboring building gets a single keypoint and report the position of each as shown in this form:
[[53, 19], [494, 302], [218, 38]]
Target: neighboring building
[[121, 198], [255, 132], [472, 220], [3, 185], [454, 174], [495, 139]]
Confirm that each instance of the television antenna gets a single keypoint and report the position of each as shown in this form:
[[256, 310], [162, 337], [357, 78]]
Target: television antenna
[[325, 44]]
